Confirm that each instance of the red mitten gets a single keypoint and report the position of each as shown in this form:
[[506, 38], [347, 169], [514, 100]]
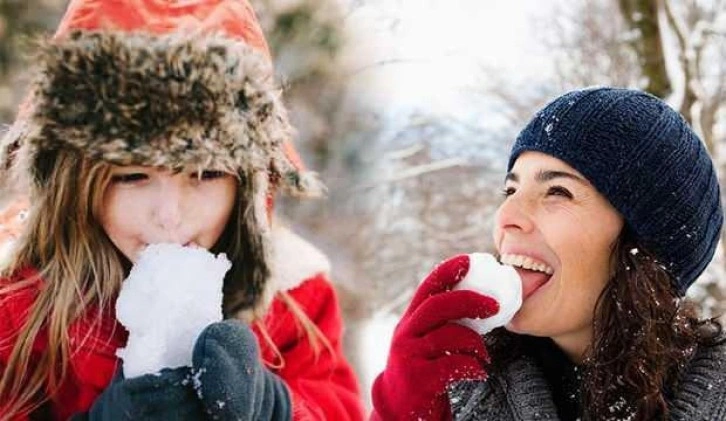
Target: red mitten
[[428, 352]]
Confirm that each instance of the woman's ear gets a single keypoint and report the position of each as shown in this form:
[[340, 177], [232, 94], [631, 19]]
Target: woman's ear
[[615, 252]]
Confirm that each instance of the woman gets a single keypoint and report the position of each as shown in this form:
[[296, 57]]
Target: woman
[[611, 211]]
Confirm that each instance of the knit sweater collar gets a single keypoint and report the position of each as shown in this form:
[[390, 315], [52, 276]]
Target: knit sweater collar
[[563, 376], [520, 391]]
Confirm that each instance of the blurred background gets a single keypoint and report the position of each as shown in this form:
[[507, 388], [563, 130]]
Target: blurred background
[[407, 109]]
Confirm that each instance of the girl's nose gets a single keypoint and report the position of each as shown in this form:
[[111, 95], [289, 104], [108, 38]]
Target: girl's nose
[[168, 212], [515, 214]]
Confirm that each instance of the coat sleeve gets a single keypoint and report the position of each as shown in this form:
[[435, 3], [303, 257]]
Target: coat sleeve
[[11, 311], [92, 361], [321, 382]]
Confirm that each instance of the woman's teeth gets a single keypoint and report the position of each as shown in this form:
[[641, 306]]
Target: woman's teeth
[[526, 262]]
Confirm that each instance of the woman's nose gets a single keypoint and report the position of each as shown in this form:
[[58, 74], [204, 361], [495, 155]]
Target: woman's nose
[[515, 214]]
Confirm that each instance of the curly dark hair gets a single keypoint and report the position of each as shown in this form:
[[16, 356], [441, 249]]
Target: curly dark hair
[[644, 335]]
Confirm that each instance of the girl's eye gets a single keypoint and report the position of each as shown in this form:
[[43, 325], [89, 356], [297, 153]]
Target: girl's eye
[[508, 191], [559, 191], [209, 175], [128, 178]]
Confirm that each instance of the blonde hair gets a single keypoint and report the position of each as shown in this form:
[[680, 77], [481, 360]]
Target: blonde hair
[[80, 268], [77, 263], [306, 329]]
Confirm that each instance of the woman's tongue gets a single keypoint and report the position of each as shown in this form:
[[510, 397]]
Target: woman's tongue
[[531, 280]]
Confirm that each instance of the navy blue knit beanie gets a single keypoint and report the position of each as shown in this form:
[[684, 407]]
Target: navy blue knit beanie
[[645, 159]]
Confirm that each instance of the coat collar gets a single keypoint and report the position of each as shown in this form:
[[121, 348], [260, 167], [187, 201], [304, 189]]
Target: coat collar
[[294, 259]]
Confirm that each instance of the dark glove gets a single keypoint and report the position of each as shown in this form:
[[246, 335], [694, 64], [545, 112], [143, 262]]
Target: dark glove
[[168, 395], [428, 353], [232, 382]]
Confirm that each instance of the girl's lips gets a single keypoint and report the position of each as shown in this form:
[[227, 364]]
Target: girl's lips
[[531, 281]]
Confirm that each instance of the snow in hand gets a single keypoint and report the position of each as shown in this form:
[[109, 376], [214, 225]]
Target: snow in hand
[[487, 277], [170, 296]]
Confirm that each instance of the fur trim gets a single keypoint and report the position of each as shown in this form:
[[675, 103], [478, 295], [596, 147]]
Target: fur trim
[[295, 260], [174, 101], [161, 100], [262, 292], [247, 287], [12, 179], [292, 260]]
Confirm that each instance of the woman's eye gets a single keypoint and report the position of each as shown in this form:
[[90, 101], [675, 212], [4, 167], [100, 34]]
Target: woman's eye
[[559, 191], [209, 175], [508, 191], [128, 178]]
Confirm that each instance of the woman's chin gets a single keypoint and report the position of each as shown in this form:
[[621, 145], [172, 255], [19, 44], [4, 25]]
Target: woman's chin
[[523, 324], [514, 326]]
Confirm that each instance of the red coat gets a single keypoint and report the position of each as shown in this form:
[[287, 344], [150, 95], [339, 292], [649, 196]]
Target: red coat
[[322, 388]]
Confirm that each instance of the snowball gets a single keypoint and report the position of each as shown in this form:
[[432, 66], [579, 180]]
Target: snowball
[[501, 282], [170, 296]]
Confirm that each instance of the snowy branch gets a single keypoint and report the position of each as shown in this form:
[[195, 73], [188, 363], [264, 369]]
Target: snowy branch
[[403, 153], [420, 170], [688, 56]]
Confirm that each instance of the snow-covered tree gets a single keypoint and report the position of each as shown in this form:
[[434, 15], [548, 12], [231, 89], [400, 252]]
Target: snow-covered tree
[[674, 49]]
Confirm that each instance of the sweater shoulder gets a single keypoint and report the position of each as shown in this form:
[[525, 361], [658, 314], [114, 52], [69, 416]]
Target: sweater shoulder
[[701, 392]]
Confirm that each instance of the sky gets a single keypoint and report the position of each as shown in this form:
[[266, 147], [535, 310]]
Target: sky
[[431, 52]]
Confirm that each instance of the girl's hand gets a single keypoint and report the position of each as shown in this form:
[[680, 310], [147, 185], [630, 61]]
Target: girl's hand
[[168, 395], [429, 352], [231, 379]]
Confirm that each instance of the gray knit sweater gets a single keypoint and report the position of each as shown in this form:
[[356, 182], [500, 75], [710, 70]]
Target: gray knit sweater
[[520, 392]]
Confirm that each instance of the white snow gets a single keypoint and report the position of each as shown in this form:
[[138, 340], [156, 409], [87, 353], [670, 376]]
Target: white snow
[[6, 252], [375, 335], [488, 277], [170, 296]]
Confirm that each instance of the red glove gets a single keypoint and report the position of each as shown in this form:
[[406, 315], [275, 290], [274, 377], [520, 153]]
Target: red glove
[[428, 352]]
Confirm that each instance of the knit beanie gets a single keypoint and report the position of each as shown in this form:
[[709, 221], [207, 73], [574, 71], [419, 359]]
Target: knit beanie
[[645, 159], [165, 83]]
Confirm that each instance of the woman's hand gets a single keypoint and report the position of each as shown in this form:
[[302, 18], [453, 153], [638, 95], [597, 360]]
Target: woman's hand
[[428, 352]]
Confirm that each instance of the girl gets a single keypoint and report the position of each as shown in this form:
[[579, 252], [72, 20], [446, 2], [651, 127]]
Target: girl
[[611, 211], [157, 121]]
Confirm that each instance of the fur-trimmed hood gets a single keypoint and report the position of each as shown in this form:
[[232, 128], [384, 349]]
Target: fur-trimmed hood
[[169, 100], [165, 94]]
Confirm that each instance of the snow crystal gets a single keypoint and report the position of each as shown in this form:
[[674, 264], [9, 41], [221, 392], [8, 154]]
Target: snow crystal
[[197, 382], [170, 296], [548, 128], [487, 277], [634, 251]]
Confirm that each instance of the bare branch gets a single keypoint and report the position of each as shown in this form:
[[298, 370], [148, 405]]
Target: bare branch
[[678, 26], [687, 56], [642, 17]]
